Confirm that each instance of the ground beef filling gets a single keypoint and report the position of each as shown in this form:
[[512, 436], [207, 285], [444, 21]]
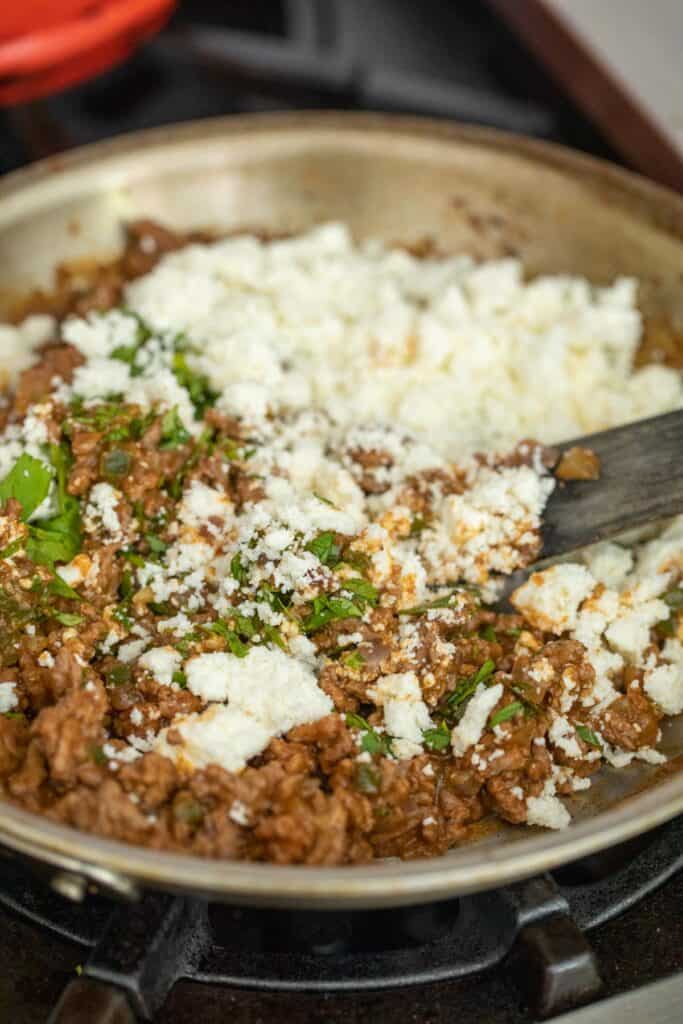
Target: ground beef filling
[[438, 710]]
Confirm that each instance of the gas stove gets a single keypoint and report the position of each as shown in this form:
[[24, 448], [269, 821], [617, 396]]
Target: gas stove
[[595, 928], [602, 932], [439, 57]]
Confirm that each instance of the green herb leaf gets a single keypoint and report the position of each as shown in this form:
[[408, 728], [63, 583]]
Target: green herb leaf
[[60, 588], [588, 736], [362, 589], [28, 481], [273, 635], [156, 545], [488, 633], [327, 609], [372, 742], [239, 649], [196, 384], [439, 738], [446, 601], [180, 678], [237, 570], [57, 539], [509, 711], [68, 618], [466, 687], [173, 433], [353, 660], [325, 548], [98, 755], [119, 674], [12, 548], [417, 525]]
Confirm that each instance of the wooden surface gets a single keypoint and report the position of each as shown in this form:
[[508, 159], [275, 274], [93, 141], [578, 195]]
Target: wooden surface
[[641, 481]]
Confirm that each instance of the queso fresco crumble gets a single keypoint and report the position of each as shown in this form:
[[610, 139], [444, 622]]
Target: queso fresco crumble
[[256, 501]]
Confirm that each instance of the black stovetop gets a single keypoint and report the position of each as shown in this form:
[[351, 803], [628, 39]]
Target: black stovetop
[[447, 59], [604, 925]]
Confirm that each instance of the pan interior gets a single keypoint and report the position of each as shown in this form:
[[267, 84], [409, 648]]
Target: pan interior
[[401, 180]]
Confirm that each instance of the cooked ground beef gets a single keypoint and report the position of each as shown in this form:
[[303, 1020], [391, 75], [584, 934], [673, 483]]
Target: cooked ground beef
[[143, 567]]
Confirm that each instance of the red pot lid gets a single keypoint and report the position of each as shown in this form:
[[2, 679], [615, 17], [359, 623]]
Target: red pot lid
[[47, 45]]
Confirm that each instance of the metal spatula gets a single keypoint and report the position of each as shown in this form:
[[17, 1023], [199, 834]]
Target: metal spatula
[[641, 481]]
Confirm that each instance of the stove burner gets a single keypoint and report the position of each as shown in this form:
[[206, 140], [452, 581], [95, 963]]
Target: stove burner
[[536, 928]]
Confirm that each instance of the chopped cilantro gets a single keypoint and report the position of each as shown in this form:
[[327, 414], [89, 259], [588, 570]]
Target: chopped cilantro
[[466, 687], [237, 570], [57, 539], [98, 755], [512, 632], [509, 711], [156, 544], [68, 618], [439, 738], [362, 590], [353, 660], [221, 628], [11, 549], [417, 525], [119, 674], [441, 602], [60, 588], [328, 609], [173, 433], [180, 678], [488, 633], [371, 741], [588, 736], [273, 635], [28, 481], [196, 384], [325, 548], [121, 614]]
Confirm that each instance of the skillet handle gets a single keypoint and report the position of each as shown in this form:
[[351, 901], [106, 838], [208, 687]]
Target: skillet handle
[[90, 1002]]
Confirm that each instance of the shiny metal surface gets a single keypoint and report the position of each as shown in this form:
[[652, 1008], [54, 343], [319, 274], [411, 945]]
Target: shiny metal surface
[[401, 179]]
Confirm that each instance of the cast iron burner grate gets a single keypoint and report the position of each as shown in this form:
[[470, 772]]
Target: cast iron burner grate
[[139, 951]]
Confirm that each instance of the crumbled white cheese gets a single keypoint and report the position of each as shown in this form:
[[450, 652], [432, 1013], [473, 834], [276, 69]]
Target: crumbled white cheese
[[18, 345], [46, 660], [8, 697], [486, 529], [406, 716], [563, 735], [664, 685], [268, 693], [130, 651], [239, 813], [162, 662], [100, 511], [473, 356], [550, 600], [471, 726], [547, 810]]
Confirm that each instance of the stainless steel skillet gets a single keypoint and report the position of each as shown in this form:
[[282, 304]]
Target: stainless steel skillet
[[401, 179]]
